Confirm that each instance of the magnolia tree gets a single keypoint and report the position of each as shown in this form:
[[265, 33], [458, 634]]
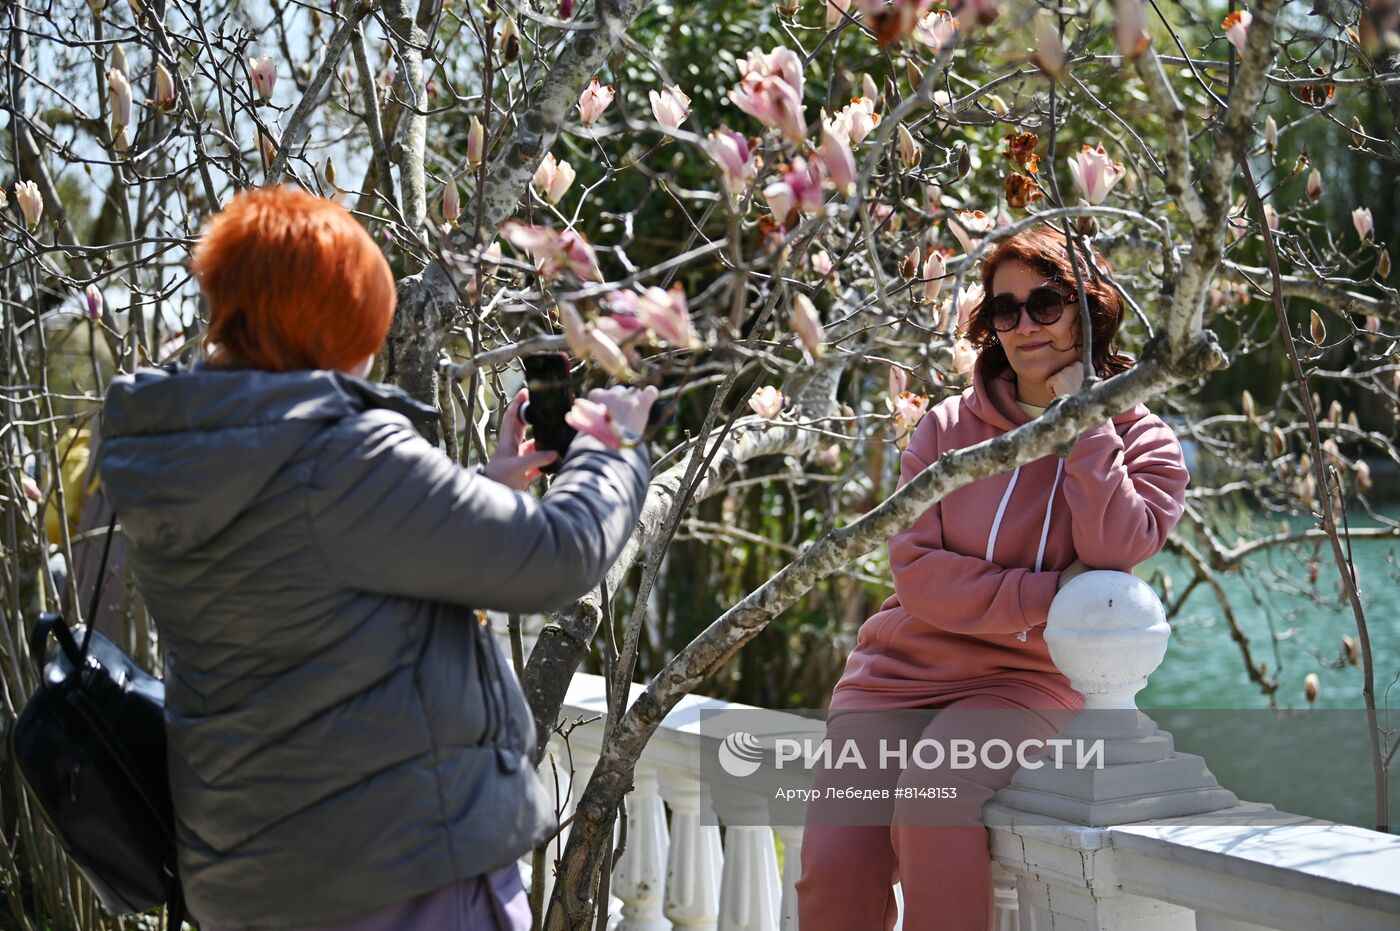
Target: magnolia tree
[[775, 214]]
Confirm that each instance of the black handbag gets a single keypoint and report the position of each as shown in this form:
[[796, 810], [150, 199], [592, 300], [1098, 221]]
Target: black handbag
[[90, 748]]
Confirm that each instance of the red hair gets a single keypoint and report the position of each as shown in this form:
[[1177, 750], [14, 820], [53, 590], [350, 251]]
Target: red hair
[[1043, 249], [293, 282]]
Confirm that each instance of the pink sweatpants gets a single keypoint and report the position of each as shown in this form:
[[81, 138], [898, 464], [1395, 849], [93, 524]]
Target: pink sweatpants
[[936, 849]]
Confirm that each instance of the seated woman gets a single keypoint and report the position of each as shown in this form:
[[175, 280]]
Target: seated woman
[[973, 581], [347, 745]]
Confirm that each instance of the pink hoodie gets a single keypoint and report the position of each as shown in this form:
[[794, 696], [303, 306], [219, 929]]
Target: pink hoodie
[[975, 575]]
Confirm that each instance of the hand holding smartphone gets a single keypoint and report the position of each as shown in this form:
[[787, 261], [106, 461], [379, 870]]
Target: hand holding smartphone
[[551, 387]]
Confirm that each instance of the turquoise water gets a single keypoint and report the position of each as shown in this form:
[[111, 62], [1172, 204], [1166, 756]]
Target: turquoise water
[[1293, 627], [1315, 761]]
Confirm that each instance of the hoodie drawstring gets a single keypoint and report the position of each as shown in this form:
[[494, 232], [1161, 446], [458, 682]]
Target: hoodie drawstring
[[1044, 527]]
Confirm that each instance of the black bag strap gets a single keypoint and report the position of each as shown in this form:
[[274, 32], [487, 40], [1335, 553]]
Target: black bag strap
[[97, 590]]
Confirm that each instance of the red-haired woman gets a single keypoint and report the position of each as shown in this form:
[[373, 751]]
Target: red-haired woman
[[348, 747], [974, 576]]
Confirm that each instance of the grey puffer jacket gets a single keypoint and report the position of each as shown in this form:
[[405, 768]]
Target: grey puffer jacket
[[343, 733]]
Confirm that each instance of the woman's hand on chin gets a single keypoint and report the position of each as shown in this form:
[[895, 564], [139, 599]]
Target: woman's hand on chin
[[1067, 380]]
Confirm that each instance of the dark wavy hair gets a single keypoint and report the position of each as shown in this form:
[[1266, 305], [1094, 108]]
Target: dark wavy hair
[[1043, 248]]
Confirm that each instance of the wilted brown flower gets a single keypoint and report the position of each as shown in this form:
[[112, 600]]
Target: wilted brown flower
[[1021, 190]]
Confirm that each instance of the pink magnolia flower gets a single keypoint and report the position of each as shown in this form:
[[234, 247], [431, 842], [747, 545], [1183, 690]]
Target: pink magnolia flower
[[1361, 219], [566, 9], [934, 270], [594, 419], [909, 409], [620, 327], [767, 402], [836, 154], [736, 159], [964, 356], [476, 142], [579, 255], [798, 190], [970, 226], [807, 323], [119, 99], [92, 296], [835, 11], [1271, 217], [821, 263], [31, 202], [593, 101], [554, 251], [979, 12], [31, 489], [1130, 28], [1270, 133], [968, 300], [1236, 27], [899, 380], [770, 90], [667, 315], [858, 119], [937, 29], [263, 72], [670, 106], [553, 178], [575, 330], [1049, 55], [607, 354], [1094, 173], [891, 20]]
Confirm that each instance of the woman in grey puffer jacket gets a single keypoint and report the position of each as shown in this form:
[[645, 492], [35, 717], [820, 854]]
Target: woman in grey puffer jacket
[[348, 747]]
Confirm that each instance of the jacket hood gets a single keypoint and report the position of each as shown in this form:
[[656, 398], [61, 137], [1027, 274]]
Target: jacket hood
[[992, 399], [185, 450]]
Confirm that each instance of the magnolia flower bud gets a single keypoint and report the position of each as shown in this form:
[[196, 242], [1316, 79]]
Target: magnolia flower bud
[[510, 40], [476, 142], [119, 61], [1365, 225], [92, 297], [1349, 648], [165, 88], [767, 402], [329, 171], [910, 266], [1311, 687], [1314, 185], [31, 203], [1383, 265], [263, 73], [909, 150], [1317, 331], [807, 324], [916, 76], [1270, 134], [451, 200]]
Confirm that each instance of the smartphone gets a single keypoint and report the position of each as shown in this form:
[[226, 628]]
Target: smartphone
[[551, 387]]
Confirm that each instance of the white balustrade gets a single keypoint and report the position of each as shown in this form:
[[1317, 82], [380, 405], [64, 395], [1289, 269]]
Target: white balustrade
[[1151, 842]]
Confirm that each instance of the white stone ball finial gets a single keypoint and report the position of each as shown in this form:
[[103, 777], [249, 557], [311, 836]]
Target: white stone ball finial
[[1107, 632]]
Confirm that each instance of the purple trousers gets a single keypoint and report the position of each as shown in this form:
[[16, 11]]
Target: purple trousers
[[495, 901]]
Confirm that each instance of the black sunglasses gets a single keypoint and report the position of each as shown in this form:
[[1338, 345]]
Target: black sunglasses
[[1045, 305]]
